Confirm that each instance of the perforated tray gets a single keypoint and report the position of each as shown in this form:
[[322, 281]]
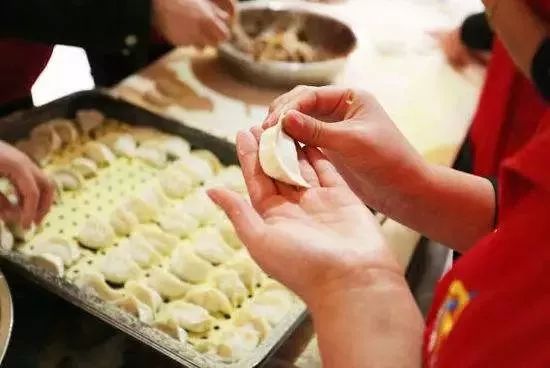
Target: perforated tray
[[63, 219]]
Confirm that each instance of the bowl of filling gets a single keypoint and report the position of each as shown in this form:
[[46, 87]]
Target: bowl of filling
[[286, 44]]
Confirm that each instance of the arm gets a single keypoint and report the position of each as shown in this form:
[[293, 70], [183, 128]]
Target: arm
[[95, 24]]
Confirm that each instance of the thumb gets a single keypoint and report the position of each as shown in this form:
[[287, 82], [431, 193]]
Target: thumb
[[316, 133], [248, 224]]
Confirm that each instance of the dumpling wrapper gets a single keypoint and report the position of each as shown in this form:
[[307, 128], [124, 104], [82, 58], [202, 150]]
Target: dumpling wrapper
[[171, 328], [209, 298], [67, 179], [49, 262], [177, 222], [67, 250], [123, 221], [192, 317], [229, 282], [209, 244], [89, 120], [141, 251], [96, 234], [175, 183], [6, 237], [45, 135], [84, 166], [94, 283], [65, 129], [118, 267], [238, 342], [201, 207], [185, 264], [121, 144], [135, 307], [144, 293], [249, 272], [152, 155], [100, 153], [166, 284], [197, 168], [278, 156], [41, 154], [161, 241]]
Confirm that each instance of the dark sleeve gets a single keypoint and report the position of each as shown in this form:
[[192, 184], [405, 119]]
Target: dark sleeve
[[540, 69], [108, 25], [476, 33], [494, 182]]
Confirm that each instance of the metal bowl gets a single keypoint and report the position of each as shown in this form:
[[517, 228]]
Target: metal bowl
[[322, 30], [6, 316]]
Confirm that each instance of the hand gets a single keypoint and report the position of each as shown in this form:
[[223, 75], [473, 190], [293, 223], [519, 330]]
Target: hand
[[193, 22], [34, 190], [315, 241], [458, 55], [362, 142]]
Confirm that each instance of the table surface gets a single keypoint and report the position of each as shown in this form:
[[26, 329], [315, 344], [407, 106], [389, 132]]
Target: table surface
[[396, 60]]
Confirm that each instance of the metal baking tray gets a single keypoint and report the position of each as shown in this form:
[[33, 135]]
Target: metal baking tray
[[17, 126]]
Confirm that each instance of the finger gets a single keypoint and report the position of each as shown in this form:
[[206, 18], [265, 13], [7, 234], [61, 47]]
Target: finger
[[325, 170], [228, 6], [257, 132], [306, 169], [27, 189], [47, 193], [9, 213], [215, 29], [315, 133], [247, 222], [221, 14], [259, 185]]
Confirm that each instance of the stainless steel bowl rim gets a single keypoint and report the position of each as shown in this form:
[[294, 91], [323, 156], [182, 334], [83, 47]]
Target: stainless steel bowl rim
[[6, 316]]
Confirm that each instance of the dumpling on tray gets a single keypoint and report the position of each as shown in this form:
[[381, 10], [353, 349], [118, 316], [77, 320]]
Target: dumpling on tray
[[65, 129], [166, 284], [238, 342], [175, 147], [49, 262], [229, 282], [94, 282], [96, 234], [118, 267], [175, 183], [135, 307], [99, 153], [65, 249], [140, 250], [209, 245], [189, 316], [120, 143], [171, 328], [6, 237], [249, 272], [89, 120], [151, 154], [177, 222], [227, 230], [144, 293], [209, 298], [161, 241], [185, 264], [84, 166], [45, 135], [272, 304], [230, 177], [67, 179], [123, 221], [197, 168], [201, 207], [145, 211]]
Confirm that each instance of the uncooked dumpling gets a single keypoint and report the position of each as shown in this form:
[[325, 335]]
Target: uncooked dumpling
[[260, 324], [175, 147], [273, 305], [188, 266], [63, 248], [45, 135], [96, 234], [152, 155], [177, 222], [144, 294], [227, 230], [135, 307], [209, 298], [155, 196], [123, 221], [67, 179], [24, 234], [189, 316], [6, 237], [278, 156], [239, 342], [89, 120], [145, 133], [175, 183], [200, 206], [65, 130], [166, 284], [197, 168], [161, 241], [84, 166], [99, 153], [141, 251], [94, 283], [248, 271], [231, 178], [209, 157], [142, 209], [121, 144], [209, 244], [118, 267], [171, 328], [229, 282], [48, 262], [41, 154]]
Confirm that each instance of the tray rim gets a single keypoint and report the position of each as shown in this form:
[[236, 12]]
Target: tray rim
[[6, 316], [110, 314]]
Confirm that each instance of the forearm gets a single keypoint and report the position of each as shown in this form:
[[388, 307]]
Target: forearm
[[377, 325], [518, 28], [96, 24], [446, 205]]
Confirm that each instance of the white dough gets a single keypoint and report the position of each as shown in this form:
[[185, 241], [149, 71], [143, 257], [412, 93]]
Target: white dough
[[229, 282], [166, 284], [189, 316], [175, 183], [135, 307], [209, 244], [49, 262], [89, 120], [278, 156], [161, 241], [94, 283], [231, 178], [84, 166], [99, 153], [67, 179], [63, 248], [197, 168], [209, 298], [175, 147], [152, 155], [121, 144], [171, 328], [239, 342], [188, 266], [141, 251], [143, 210], [200, 206], [96, 234], [123, 221], [248, 271], [118, 267], [177, 222], [273, 305], [144, 294], [227, 230]]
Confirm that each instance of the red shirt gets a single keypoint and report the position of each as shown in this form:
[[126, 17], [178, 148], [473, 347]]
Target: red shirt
[[493, 308], [20, 65], [509, 109]]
